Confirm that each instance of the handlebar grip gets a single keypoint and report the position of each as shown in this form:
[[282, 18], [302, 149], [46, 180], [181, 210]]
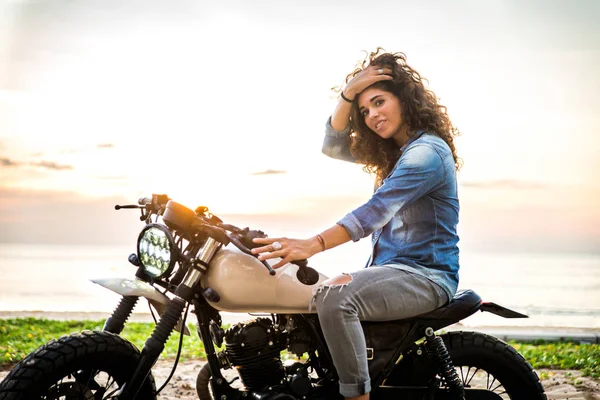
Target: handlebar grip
[[118, 207], [157, 200]]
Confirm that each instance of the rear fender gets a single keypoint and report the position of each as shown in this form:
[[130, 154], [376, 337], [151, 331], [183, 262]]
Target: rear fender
[[501, 311], [139, 288]]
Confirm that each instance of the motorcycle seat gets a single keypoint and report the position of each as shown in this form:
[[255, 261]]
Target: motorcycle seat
[[465, 303]]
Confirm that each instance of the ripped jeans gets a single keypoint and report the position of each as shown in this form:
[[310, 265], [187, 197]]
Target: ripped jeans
[[380, 293]]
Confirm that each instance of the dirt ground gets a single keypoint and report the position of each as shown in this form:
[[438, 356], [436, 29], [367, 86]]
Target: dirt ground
[[558, 384]]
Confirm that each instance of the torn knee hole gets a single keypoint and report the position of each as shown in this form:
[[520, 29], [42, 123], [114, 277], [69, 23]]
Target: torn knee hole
[[339, 281], [343, 279]]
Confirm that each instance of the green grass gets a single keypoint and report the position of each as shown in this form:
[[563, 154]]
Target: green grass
[[20, 336], [562, 355]]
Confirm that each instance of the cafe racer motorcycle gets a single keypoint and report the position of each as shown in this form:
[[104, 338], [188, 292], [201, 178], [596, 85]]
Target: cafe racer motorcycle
[[191, 258]]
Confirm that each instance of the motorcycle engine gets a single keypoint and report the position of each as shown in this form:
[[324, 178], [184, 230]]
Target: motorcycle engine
[[254, 349]]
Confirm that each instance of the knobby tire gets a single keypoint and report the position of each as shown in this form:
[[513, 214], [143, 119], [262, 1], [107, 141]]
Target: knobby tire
[[86, 351], [482, 352]]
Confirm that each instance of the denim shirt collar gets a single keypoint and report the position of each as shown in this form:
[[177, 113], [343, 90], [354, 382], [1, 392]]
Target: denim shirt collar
[[412, 139], [417, 135]]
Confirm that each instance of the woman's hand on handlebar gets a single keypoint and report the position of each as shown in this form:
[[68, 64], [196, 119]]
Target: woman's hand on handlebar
[[291, 249]]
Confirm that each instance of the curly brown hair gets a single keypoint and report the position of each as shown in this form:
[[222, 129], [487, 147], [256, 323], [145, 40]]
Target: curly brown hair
[[419, 107]]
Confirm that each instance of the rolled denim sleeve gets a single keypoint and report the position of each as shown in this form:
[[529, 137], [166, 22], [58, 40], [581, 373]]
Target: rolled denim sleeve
[[419, 171], [337, 143]]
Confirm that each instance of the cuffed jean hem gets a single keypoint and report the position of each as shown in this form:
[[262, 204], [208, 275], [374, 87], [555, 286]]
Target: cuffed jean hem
[[355, 389]]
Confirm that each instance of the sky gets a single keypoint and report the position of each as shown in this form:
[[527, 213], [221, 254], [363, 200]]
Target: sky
[[224, 103]]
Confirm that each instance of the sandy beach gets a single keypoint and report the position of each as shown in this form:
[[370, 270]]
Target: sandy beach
[[559, 384]]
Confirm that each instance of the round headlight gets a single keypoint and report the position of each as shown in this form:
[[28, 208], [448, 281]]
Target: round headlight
[[156, 250]]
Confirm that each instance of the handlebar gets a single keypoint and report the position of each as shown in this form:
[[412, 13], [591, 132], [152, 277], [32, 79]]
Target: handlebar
[[202, 221], [148, 205], [118, 207]]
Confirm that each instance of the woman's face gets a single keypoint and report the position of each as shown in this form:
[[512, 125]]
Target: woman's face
[[382, 114]]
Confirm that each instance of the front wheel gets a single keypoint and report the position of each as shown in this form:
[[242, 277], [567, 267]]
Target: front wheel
[[87, 365], [481, 361]]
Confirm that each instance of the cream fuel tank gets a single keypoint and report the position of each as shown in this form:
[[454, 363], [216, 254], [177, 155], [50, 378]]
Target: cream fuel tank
[[244, 285]]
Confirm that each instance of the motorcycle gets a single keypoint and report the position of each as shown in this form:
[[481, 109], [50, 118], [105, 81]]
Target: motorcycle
[[186, 257]]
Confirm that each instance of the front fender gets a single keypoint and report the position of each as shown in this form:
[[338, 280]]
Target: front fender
[[139, 288]]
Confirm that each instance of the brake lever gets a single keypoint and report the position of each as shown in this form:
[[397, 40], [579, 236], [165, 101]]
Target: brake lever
[[144, 215], [238, 243], [134, 206]]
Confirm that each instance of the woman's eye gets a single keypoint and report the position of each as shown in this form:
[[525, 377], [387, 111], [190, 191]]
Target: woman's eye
[[364, 113], [379, 102]]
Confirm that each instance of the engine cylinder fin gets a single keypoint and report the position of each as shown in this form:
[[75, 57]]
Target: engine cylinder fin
[[253, 348]]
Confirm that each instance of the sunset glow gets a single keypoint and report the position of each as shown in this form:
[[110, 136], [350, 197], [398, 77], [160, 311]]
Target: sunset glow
[[225, 106]]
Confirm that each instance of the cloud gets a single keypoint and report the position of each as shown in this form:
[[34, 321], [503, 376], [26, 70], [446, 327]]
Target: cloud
[[270, 172], [116, 178], [51, 165], [504, 184], [7, 162]]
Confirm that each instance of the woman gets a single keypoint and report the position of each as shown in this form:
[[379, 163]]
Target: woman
[[386, 120]]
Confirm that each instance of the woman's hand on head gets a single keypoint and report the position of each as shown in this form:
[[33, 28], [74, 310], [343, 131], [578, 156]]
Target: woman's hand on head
[[365, 78], [291, 249]]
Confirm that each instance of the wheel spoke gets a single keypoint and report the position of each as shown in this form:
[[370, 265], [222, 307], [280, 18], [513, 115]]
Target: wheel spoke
[[87, 378], [114, 381], [476, 378], [498, 386], [109, 382], [490, 384], [472, 376], [91, 384], [99, 395], [108, 396]]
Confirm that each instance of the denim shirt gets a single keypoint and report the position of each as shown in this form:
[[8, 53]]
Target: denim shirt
[[413, 215]]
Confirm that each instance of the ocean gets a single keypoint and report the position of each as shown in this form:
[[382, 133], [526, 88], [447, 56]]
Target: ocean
[[554, 290]]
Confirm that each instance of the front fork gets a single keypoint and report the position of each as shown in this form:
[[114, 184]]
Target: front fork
[[156, 342], [116, 322]]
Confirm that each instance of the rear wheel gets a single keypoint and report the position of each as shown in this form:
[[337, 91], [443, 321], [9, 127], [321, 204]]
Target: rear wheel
[[482, 362], [87, 365]]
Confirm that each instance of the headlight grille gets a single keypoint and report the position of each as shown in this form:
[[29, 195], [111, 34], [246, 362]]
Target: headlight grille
[[156, 250]]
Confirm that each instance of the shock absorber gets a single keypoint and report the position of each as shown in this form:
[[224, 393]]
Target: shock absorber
[[439, 354]]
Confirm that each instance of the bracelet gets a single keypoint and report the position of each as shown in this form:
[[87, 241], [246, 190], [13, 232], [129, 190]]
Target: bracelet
[[320, 238], [344, 97]]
